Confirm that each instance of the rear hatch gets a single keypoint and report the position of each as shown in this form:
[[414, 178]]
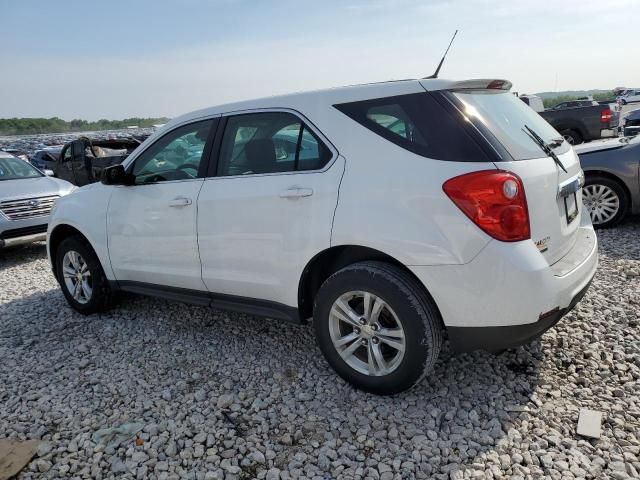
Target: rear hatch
[[554, 196]]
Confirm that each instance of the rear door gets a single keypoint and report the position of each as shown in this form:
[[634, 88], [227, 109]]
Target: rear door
[[553, 195], [268, 207]]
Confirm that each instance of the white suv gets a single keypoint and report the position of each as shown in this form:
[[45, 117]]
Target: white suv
[[390, 213]]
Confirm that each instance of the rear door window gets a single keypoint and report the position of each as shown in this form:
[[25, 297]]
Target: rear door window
[[419, 123], [270, 142]]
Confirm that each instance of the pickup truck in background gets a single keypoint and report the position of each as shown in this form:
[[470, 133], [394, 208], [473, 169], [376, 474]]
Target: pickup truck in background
[[81, 161], [582, 124]]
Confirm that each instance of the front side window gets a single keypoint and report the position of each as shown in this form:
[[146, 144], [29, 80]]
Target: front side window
[[176, 156], [12, 168], [271, 142]]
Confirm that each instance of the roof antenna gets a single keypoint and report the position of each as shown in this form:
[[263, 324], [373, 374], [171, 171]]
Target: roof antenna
[[435, 74]]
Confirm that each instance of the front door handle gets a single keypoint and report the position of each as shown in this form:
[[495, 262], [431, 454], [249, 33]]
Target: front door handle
[[180, 202], [296, 192]]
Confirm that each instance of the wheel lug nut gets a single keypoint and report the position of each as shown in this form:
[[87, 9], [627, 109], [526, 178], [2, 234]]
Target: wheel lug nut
[[375, 327], [363, 321], [363, 342], [357, 331], [375, 340]]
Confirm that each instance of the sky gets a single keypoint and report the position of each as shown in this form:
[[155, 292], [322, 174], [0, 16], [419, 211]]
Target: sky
[[114, 59]]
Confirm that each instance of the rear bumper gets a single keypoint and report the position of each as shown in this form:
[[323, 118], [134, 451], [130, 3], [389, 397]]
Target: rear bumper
[[509, 294], [496, 339]]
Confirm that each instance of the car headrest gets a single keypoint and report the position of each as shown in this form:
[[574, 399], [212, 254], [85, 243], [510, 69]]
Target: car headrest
[[261, 155]]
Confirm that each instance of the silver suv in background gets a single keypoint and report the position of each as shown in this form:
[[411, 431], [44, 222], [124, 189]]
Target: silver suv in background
[[26, 198]]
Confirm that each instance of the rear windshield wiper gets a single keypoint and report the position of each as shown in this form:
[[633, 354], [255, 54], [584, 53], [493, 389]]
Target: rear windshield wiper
[[548, 149]]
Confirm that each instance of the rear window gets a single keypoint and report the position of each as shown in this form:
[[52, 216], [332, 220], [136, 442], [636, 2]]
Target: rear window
[[504, 116], [419, 123]]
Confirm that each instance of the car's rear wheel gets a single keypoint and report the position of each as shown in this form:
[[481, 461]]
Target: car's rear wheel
[[377, 327], [81, 277], [571, 136], [605, 200]]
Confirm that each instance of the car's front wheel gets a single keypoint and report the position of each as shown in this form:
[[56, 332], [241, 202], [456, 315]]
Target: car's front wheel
[[81, 277], [377, 327]]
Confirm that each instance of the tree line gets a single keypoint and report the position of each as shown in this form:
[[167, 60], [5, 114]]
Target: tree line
[[29, 126], [599, 97]]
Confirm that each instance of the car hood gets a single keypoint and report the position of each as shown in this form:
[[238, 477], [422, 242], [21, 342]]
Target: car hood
[[33, 187]]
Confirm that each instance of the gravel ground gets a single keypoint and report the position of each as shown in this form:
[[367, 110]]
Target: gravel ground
[[230, 396]]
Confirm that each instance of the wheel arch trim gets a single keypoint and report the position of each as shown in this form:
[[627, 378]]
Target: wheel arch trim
[[70, 226], [330, 260]]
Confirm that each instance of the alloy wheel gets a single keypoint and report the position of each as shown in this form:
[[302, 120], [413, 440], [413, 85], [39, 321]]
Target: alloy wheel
[[77, 276], [601, 201], [367, 333]]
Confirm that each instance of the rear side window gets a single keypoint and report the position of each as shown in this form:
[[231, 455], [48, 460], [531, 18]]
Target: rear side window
[[419, 123], [271, 142]]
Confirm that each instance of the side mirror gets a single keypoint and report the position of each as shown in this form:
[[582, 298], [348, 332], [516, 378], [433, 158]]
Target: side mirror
[[116, 175], [48, 173]]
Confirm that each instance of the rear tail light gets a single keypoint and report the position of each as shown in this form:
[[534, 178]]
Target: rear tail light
[[494, 200], [606, 115]]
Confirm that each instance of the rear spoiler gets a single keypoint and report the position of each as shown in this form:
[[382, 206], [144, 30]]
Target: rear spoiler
[[481, 84]]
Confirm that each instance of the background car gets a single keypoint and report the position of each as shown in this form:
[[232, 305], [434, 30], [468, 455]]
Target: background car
[[630, 96], [47, 158], [612, 186], [27, 196], [631, 123], [573, 104]]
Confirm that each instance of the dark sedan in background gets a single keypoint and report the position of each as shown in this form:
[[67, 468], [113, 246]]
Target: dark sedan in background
[[612, 179]]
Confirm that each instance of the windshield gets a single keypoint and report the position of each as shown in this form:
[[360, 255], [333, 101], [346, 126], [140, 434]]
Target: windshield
[[505, 116], [12, 168]]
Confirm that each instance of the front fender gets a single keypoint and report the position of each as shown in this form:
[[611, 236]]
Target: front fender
[[85, 210]]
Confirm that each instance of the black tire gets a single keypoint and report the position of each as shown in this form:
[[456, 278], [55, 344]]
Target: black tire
[[414, 307], [101, 296], [621, 193], [571, 136]]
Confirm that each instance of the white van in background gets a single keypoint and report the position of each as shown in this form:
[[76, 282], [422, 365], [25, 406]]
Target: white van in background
[[534, 101]]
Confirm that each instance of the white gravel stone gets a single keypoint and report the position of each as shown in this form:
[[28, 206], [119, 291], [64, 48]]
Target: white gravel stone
[[224, 395]]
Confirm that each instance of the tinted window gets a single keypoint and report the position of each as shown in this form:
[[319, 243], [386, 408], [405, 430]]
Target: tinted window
[[269, 143], [175, 156], [505, 118], [67, 154], [418, 123]]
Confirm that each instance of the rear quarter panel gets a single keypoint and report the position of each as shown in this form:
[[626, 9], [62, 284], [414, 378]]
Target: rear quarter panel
[[392, 200]]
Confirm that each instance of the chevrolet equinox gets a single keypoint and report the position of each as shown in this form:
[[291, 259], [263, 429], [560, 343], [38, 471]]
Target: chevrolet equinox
[[390, 214]]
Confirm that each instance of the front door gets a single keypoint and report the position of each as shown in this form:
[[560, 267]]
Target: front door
[[152, 224], [270, 208]]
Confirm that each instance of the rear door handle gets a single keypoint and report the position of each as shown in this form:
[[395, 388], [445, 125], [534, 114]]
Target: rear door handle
[[296, 192], [180, 202]]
